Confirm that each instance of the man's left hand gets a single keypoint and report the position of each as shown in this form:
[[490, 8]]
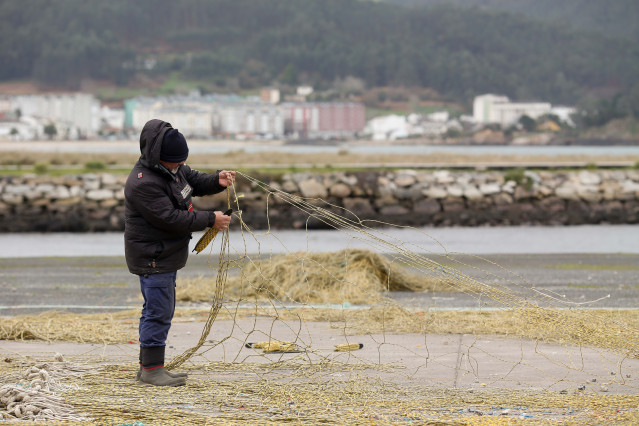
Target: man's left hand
[[227, 178]]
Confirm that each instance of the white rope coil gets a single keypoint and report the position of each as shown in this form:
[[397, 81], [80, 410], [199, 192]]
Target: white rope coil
[[33, 398]]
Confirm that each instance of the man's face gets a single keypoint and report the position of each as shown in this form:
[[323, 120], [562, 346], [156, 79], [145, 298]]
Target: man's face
[[172, 167]]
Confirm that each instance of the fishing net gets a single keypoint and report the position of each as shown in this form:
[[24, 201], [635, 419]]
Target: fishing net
[[345, 337]]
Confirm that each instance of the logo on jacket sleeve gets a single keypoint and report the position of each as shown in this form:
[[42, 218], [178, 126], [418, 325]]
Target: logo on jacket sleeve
[[186, 191], [191, 206], [140, 175]]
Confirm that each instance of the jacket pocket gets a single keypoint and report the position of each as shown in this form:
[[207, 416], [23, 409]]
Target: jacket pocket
[[153, 253]]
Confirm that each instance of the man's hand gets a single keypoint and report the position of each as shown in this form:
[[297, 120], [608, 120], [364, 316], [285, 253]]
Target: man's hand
[[222, 221], [226, 178]]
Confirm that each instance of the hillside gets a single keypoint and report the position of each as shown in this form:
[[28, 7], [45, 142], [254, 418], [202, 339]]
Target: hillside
[[618, 18], [244, 44]]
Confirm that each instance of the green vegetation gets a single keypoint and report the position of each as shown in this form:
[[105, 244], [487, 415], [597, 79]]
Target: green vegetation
[[613, 18], [244, 44], [50, 130], [41, 168], [94, 165], [519, 177]]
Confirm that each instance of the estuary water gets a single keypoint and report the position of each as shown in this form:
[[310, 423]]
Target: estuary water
[[476, 240], [217, 147]]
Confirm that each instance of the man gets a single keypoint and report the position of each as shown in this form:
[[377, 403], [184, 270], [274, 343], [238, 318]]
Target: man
[[159, 219]]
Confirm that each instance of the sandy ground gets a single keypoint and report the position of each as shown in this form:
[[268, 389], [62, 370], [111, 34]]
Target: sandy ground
[[416, 364], [97, 284], [451, 361]]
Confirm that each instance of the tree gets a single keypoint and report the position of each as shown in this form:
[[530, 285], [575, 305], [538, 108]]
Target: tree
[[50, 130], [528, 123], [289, 75]]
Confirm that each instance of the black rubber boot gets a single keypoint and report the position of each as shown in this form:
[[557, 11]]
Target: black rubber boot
[[160, 377], [152, 369], [185, 375]]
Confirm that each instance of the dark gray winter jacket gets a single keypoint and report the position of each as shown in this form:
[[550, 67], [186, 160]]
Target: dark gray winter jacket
[[159, 215]]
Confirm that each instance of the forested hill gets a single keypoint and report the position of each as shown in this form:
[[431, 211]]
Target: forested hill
[[617, 18], [458, 52]]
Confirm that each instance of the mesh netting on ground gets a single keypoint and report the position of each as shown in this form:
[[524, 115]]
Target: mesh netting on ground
[[317, 337]]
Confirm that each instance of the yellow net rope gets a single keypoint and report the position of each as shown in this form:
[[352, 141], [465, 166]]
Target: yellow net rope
[[314, 337]]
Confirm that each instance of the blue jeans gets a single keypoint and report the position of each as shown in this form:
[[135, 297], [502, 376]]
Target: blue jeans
[[158, 291]]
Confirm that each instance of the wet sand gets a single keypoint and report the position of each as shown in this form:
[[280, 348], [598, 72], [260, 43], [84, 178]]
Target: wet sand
[[98, 284]]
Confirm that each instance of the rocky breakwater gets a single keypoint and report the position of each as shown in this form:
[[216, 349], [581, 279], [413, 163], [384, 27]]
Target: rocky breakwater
[[95, 202], [82, 203], [444, 198]]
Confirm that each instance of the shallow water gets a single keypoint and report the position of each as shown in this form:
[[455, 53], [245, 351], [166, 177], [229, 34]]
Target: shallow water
[[213, 147], [482, 240]]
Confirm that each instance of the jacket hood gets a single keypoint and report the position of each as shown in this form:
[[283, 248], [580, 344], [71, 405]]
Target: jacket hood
[[151, 142]]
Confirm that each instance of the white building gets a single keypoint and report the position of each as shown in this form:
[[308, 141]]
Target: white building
[[19, 131], [249, 118], [565, 114], [498, 109], [77, 113], [193, 120], [324, 120], [388, 127], [483, 107], [112, 118]]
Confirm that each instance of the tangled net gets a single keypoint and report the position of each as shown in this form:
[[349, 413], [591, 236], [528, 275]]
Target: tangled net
[[273, 355], [350, 275]]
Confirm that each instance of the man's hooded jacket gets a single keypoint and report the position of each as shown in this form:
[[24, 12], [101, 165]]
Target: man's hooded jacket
[[159, 215]]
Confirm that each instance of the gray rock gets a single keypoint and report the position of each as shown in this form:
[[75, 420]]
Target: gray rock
[[359, 206], [385, 187], [108, 179], [290, 186], [395, 210], [18, 189], [44, 189], [405, 180], [311, 188], [589, 193], [455, 191], [340, 190], [99, 194], [534, 176], [59, 192], [108, 204], [443, 176], [472, 193], [435, 192], [76, 191], [384, 202], [502, 199], [589, 178], [610, 190], [567, 192], [509, 187], [489, 188], [12, 198], [430, 206], [91, 185], [632, 175], [349, 180], [544, 191], [425, 177], [453, 205], [119, 194], [630, 187]]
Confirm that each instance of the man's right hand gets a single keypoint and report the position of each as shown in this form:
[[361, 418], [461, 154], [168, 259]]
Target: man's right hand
[[222, 221]]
